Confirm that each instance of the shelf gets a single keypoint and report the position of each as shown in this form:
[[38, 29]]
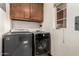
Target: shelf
[[61, 19], [61, 9], [61, 16]]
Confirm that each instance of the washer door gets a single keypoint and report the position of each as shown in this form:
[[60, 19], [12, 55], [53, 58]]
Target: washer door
[[25, 48]]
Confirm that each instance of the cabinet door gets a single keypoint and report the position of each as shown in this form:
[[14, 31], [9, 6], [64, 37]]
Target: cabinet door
[[15, 11], [26, 10], [37, 12]]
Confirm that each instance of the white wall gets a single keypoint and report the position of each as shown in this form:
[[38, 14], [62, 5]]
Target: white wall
[[25, 25], [71, 13], [49, 21], [7, 19], [71, 36]]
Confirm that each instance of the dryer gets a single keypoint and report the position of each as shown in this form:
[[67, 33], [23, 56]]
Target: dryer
[[41, 43]]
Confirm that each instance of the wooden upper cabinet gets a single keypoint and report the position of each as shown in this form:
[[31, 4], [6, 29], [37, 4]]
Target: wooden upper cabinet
[[37, 12], [27, 11], [15, 11]]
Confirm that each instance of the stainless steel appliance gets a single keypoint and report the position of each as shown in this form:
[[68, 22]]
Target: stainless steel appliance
[[17, 44], [41, 43], [26, 44]]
